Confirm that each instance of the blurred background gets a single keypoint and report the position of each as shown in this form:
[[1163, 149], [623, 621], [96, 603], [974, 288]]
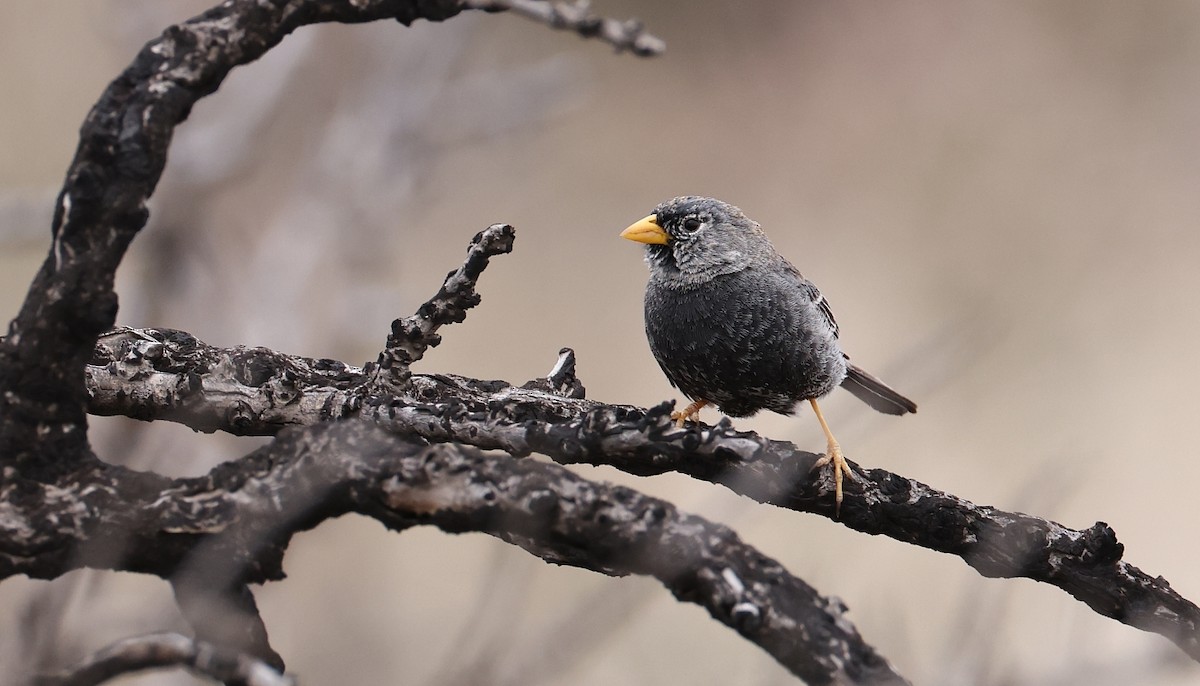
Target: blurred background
[[999, 199]]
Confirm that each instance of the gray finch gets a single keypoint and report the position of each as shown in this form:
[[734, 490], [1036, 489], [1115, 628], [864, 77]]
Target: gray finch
[[734, 324]]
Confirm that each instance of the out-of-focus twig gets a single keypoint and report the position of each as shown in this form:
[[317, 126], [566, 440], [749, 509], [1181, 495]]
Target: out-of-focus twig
[[157, 651], [577, 16]]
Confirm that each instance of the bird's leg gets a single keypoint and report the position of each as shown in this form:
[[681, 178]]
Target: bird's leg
[[691, 412], [833, 454]]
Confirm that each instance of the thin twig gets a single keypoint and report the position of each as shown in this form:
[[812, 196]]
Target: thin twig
[[577, 16], [157, 651], [412, 336]]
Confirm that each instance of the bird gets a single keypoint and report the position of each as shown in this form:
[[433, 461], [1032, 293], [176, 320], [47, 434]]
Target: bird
[[733, 324]]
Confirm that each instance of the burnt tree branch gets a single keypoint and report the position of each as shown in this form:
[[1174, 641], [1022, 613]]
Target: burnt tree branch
[[412, 336], [235, 524], [175, 370]]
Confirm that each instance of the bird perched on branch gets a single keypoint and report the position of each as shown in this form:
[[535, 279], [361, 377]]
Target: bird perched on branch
[[733, 324]]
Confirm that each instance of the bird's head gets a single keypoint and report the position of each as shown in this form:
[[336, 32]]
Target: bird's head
[[692, 239]]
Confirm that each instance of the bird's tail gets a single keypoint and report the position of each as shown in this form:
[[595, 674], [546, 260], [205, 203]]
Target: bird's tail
[[875, 393]]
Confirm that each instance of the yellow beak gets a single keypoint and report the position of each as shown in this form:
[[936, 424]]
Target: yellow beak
[[646, 231]]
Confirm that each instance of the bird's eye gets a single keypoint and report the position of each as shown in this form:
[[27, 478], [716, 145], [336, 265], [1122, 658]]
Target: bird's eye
[[691, 224]]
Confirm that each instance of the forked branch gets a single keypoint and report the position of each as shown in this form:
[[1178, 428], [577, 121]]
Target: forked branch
[[1085, 563]]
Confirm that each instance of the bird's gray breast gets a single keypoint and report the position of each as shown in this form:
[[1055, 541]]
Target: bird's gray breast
[[745, 341]]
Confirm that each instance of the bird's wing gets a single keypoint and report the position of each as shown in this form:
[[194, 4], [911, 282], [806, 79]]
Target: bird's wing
[[810, 292], [823, 306]]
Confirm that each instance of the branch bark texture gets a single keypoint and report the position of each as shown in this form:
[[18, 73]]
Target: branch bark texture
[[234, 525], [412, 336], [1085, 563]]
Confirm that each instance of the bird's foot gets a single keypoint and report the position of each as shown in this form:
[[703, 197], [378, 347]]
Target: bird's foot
[[689, 413], [833, 455]]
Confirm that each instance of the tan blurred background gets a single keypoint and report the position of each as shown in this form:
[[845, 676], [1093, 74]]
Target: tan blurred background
[[999, 199]]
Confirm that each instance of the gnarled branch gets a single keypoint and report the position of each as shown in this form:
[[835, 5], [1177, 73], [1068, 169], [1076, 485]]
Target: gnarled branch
[[488, 414], [412, 336], [234, 525]]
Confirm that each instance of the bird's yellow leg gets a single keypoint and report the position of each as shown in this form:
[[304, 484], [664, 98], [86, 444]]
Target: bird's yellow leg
[[833, 454], [691, 412]]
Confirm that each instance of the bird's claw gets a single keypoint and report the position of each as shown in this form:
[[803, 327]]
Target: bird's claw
[[691, 413], [680, 418], [833, 455]]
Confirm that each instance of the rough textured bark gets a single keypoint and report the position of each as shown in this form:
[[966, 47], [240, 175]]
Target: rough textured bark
[[412, 336], [233, 526], [183, 382]]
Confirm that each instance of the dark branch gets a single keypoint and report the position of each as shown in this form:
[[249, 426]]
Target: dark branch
[[158, 651], [1085, 563], [152, 374], [236, 522], [412, 336], [623, 35], [102, 206]]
